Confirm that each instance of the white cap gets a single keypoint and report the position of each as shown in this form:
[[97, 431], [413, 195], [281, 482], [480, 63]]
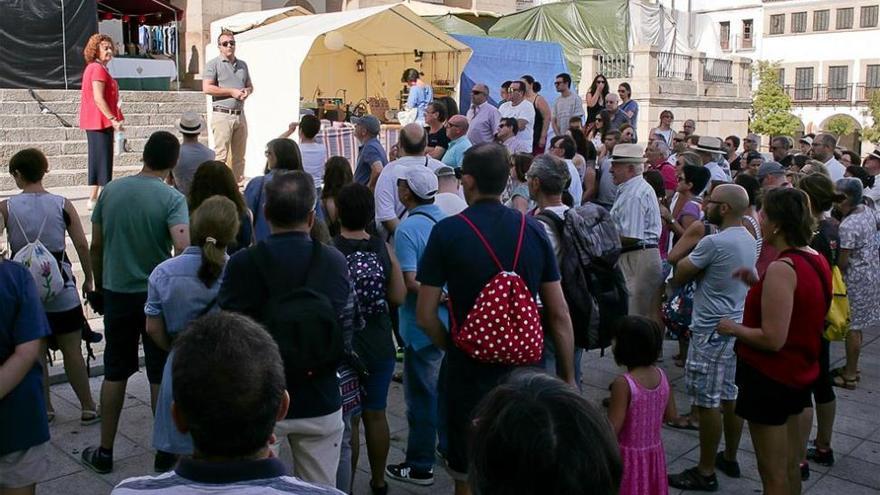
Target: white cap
[[421, 181]]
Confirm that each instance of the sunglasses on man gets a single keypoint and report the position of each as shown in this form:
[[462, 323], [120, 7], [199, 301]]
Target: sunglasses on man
[[227, 43]]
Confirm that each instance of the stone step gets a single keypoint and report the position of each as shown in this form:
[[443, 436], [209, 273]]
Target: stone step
[[56, 148], [55, 134], [159, 115], [67, 178], [80, 161], [73, 96]]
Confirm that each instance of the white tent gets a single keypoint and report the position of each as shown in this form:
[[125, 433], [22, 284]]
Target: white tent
[[294, 59]]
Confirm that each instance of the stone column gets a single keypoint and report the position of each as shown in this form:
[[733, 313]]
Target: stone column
[[589, 67]]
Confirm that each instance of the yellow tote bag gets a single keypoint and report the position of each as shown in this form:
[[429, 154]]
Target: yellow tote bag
[[837, 319]]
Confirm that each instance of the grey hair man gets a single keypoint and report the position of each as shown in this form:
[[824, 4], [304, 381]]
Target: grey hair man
[[482, 116], [636, 213], [617, 117], [688, 127], [780, 146]]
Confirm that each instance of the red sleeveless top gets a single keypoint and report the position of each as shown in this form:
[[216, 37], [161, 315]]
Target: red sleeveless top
[[797, 363]]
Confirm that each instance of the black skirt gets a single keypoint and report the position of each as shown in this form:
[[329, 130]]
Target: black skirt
[[100, 156]]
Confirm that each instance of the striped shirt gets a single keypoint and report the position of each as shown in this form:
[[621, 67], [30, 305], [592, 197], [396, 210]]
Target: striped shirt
[[636, 212], [192, 477]]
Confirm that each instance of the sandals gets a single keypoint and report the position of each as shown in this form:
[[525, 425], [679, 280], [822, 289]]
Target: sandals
[[844, 382], [89, 417], [50, 415], [841, 371], [683, 423]]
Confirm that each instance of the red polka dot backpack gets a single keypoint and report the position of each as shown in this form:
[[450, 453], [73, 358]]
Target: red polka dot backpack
[[503, 326]]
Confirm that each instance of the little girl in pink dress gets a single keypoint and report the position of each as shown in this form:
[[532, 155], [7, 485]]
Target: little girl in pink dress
[[639, 403]]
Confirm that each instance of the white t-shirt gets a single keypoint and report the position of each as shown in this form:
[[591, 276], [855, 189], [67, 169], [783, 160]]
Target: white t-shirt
[[551, 232], [576, 187], [525, 111], [388, 205], [450, 203], [314, 157]]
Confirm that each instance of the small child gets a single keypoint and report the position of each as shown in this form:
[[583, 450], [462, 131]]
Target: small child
[[639, 403]]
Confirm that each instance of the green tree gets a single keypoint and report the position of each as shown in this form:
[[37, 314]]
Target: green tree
[[872, 133], [771, 107], [840, 125]]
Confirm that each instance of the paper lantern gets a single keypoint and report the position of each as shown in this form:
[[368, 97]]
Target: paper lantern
[[108, 16], [142, 19], [126, 18], [334, 41]]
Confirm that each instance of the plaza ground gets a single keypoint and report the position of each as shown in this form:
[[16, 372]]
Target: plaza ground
[[856, 436]]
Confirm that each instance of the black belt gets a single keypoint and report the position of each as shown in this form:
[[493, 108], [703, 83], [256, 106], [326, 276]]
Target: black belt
[[637, 247], [227, 110]]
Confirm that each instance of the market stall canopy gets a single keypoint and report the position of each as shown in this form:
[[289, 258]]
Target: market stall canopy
[[496, 60], [574, 25], [317, 55], [42, 41], [433, 9], [245, 21], [153, 11]]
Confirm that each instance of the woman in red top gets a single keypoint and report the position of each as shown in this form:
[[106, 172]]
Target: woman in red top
[[99, 113], [778, 342]]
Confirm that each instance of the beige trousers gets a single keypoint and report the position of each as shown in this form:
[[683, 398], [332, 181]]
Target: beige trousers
[[315, 445], [644, 276], [230, 140]]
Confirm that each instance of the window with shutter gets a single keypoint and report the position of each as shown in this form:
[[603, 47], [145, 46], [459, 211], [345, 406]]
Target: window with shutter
[[845, 18], [820, 20], [724, 35], [868, 16], [777, 23], [838, 82], [799, 22], [803, 83], [872, 76], [748, 33]]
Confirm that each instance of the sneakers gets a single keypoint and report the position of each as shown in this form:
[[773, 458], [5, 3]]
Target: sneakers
[[164, 461], [824, 457], [98, 459], [730, 468], [691, 479], [408, 474]]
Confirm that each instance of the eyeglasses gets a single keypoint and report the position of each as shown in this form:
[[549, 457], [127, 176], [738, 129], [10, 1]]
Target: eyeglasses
[[676, 140], [713, 202], [227, 43], [601, 82], [558, 82], [475, 93]]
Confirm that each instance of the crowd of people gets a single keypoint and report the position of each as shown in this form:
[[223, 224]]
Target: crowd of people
[[274, 316]]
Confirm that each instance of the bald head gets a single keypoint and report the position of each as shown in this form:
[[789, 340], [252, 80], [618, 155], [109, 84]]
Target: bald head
[[413, 140], [459, 121], [456, 127], [734, 196], [611, 102]]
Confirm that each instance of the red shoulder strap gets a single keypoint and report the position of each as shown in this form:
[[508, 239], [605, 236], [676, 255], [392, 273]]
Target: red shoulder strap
[[522, 229]]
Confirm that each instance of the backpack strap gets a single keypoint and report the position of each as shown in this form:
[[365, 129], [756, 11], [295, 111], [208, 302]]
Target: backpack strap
[[551, 218], [522, 229], [268, 271], [423, 214]]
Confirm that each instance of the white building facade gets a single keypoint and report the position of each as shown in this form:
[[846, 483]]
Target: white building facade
[[828, 51]]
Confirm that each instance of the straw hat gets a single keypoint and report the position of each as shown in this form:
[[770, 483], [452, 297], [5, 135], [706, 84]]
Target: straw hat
[[190, 123], [708, 144], [628, 153]]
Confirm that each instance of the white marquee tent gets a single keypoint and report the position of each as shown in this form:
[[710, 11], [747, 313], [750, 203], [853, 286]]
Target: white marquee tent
[[304, 57]]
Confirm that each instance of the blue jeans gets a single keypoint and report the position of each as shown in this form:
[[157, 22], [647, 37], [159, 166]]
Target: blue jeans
[[548, 360], [421, 372]]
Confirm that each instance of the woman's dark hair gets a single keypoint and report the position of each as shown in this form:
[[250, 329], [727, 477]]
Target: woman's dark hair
[[355, 206], [789, 209], [410, 75], [698, 177], [214, 178], [510, 122], [30, 163], [584, 147], [287, 154], [749, 183], [569, 147], [655, 179], [605, 118], [637, 341], [853, 157], [440, 108], [536, 435], [594, 84], [521, 162], [337, 173], [860, 173], [536, 86], [799, 160], [214, 225], [451, 105], [821, 192], [627, 87]]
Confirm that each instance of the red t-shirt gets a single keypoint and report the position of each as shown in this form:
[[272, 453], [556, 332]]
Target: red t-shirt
[[90, 118], [667, 171], [797, 363]]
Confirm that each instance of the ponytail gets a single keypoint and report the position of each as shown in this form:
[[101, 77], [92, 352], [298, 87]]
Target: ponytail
[[215, 224]]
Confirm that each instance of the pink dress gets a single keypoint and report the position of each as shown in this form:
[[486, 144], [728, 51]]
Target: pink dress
[[641, 448]]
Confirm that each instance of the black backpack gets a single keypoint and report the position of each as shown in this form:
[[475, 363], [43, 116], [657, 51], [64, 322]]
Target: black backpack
[[592, 283], [302, 320]]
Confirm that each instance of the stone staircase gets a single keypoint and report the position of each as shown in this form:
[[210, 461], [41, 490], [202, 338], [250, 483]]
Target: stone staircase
[[23, 125]]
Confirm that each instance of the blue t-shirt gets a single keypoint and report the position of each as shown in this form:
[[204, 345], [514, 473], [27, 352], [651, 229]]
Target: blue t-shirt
[[23, 421], [371, 151], [410, 240], [418, 98]]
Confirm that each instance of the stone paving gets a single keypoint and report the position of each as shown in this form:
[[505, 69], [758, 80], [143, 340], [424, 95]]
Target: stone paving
[[856, 436]]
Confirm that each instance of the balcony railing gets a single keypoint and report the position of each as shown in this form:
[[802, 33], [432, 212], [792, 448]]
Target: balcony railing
[[674, 66], [718, 70], [822, 94], [615, 65], [864, 92]]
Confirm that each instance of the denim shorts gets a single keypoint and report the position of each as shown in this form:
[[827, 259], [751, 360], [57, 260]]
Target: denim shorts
[[710, 371], [374, 390]]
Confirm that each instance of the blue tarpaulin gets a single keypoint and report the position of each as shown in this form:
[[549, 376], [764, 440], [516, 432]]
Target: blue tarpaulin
[[496, 60]]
